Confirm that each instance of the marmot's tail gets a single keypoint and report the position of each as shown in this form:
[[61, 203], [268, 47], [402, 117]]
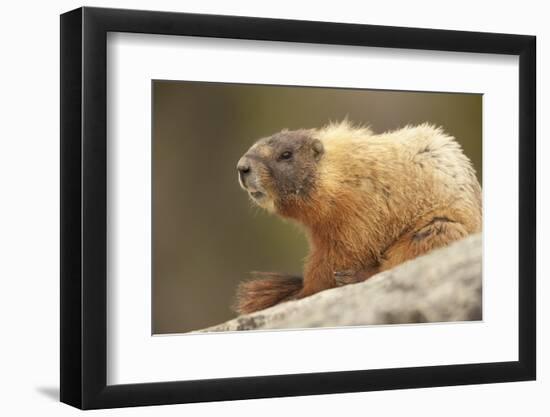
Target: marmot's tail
[[270, 289]]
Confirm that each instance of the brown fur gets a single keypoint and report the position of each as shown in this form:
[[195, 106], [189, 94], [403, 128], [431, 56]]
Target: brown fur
[[369, 202], [266, 290]]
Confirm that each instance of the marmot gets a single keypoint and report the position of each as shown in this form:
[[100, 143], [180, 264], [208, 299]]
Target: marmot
[[368, 201]]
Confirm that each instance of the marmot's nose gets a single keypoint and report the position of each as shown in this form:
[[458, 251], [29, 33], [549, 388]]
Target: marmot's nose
[[243, 166]]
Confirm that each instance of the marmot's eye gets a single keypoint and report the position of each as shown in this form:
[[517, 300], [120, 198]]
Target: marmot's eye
[[286, 155]]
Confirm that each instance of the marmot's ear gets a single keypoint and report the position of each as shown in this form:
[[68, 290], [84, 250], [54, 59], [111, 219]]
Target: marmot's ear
[[318, 149]]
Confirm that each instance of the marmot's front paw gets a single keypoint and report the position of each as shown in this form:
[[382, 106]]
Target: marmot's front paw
[[353, 277], [345, 277]]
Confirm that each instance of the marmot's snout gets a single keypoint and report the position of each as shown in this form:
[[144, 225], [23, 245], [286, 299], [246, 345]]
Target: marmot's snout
[[243, 167], [249, 178]]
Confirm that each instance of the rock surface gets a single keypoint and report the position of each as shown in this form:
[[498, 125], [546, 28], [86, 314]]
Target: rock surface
[[444, 285]]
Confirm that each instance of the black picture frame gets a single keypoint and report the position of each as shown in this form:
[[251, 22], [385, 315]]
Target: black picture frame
[[84, 207]]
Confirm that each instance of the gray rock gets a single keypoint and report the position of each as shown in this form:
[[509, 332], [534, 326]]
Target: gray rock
[[444, 285]]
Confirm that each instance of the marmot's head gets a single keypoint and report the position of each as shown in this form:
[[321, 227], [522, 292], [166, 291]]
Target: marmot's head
[[281, 169]]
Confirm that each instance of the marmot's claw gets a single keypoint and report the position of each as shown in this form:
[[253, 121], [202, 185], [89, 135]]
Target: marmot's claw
[[343, 273], [344, 277]]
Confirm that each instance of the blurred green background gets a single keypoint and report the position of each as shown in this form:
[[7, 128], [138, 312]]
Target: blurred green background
[[207, 236]]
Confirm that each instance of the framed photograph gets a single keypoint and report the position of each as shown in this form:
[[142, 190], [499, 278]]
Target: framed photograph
[[260, 208]]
